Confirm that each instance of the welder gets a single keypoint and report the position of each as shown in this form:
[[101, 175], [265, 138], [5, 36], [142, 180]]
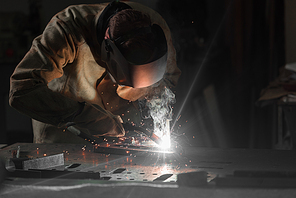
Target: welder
[[91, 64]]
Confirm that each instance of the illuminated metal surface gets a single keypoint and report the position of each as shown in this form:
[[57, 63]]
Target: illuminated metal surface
[[135, 167], [148, 167]]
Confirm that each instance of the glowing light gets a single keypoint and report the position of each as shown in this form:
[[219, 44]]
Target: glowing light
[[166, 137], [165, 142], [165, 170], [161, 112]]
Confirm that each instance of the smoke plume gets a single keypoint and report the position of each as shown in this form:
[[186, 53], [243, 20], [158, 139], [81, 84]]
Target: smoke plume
[[158, 107]]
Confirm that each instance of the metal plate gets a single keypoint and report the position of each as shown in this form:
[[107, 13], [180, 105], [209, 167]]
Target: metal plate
[[137, 167]]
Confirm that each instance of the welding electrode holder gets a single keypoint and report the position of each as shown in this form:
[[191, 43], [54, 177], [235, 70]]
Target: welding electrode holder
[[70, 126], [149, 134]]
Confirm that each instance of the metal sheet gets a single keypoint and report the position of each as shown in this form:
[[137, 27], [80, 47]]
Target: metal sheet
[[135, 167]]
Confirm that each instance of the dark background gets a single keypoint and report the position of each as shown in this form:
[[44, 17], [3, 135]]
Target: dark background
[[228, 51]]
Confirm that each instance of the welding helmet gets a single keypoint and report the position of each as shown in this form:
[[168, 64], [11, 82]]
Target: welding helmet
[[126, 72]]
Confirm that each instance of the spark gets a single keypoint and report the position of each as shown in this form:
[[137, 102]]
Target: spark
[[166, 142]]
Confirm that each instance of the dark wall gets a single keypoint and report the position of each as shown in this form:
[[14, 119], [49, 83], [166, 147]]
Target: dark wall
[[228, 52]]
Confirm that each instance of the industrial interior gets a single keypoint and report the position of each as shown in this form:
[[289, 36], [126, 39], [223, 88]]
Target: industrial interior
[[232, 130]]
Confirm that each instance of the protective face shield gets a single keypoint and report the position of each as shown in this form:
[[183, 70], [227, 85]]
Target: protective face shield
[[125, 72]]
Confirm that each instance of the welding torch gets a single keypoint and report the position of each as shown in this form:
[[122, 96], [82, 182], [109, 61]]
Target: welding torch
[[127, 127], [140, 130]]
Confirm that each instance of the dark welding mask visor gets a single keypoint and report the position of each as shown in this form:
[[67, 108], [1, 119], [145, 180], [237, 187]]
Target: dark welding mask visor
[[127, 73]]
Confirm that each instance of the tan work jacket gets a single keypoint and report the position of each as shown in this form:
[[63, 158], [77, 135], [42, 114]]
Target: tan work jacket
[[63, 68]]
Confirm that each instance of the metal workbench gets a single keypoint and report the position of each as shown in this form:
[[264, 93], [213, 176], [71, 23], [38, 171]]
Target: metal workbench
[[156, 174]]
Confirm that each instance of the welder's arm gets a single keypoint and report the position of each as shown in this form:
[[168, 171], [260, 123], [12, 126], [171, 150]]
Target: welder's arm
[[95, 120], [29, 92]]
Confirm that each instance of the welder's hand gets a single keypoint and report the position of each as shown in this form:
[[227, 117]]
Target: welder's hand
[[96, 121], [118, 130]]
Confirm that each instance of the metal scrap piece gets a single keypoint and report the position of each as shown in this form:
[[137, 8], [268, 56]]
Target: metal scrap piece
[[44, 162]]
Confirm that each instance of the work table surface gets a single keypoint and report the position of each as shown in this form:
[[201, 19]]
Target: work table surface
[[150, 174]]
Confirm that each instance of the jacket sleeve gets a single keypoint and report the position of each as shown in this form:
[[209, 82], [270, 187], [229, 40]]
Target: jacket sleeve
[[49, 53]]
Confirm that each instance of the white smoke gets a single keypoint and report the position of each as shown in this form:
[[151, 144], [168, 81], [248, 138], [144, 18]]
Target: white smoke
[[160, 110]]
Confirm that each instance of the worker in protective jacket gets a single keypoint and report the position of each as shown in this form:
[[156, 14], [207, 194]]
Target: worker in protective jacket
[[86, 69]]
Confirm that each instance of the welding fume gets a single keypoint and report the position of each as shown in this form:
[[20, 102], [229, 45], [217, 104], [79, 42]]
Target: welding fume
[[94, 70]]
